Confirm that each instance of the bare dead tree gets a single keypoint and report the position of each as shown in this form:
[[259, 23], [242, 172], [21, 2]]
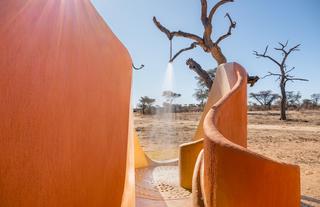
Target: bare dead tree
[[205, 41], [284, 72]]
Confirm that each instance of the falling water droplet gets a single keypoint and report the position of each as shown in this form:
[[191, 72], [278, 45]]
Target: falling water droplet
[[163, 132], [168, 81]]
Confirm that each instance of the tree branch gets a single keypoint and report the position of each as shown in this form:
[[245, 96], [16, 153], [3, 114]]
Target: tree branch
[[264, 55], [296, 79], [162, 28], [215, 8], [207, 20], [231, 26], [170, 35], [295, 48], [252, 95], [284, 45], [192, 46], [204, 10], [286, 52], [271, 74], [288, 71], [205, 42], [283, 48], [193, 65]]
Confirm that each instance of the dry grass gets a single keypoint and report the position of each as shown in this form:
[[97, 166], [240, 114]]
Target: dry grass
[[295, 141]]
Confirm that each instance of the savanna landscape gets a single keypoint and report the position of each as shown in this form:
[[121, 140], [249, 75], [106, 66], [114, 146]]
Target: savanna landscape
[[98, 98], [294, 141]]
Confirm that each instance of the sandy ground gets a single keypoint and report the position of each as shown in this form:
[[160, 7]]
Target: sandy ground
[[295, 141]]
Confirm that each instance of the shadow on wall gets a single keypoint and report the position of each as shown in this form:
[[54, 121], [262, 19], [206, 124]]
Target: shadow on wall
[[307, 201]]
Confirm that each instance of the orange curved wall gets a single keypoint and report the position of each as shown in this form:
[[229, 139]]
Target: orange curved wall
[[188, 154], [233, 175], [65, 83]]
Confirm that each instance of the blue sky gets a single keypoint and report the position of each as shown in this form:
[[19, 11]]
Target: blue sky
[[259, 23]]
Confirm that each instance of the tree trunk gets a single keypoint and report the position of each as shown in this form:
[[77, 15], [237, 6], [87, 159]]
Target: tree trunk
[[269, 106], [143, 109], [283, 106], [217, 55]]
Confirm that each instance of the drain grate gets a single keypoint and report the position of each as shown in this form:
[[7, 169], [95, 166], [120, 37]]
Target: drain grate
[[160, 183]]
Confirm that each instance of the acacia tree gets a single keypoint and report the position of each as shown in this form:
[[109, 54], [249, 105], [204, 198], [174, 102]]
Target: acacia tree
[[202, 91], [284, 72], [205, 41], [307, 104], [201, 95], [265, 98], [145, 103], [170, 96], [293, 99], [315, 98]]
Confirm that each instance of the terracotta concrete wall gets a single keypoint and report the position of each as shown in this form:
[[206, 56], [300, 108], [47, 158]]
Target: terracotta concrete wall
[[140, 158], [233, 175], [65, 84], [188, 154], [224, 80], [129, 196]]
